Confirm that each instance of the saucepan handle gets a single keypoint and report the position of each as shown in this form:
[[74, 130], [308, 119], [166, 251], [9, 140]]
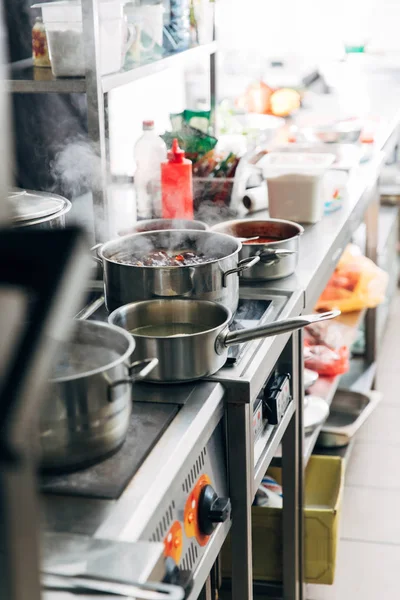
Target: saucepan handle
[[271, 329], [243, 265], [137, 372], [272, 255], [95, 256]]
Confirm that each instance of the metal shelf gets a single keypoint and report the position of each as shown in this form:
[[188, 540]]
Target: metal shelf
[[27, 79], [177, 59], [326, 387]]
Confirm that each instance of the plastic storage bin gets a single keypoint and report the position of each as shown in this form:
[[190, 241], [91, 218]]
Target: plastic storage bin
[[295, 185], [323, 501], [64, 28]]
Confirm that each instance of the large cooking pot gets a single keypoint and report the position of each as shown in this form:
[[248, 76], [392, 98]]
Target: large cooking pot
[[86, 411], [190, 338], [38, 209], [215, 278], [278, 258], [161, 224]]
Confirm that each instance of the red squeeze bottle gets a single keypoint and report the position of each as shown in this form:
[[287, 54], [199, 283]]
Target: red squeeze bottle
[[176, 184]]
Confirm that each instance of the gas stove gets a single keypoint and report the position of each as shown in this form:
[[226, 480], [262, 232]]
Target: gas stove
[[168, 483]]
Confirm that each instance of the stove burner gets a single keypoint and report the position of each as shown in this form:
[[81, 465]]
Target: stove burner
[[249, 314]]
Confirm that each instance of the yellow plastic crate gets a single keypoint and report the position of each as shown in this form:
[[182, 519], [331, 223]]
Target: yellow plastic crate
[[323, 500]]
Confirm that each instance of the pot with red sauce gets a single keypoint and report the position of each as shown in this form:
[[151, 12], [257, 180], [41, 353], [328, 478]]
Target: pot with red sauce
[[277, 244]]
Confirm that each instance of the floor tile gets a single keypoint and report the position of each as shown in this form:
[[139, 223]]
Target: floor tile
[[371, 515], [364, 572], [374, 464], [382, 426]]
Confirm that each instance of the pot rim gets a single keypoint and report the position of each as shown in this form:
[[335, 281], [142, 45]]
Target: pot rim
[[215, 329], [106, 245], [234, 222], [148, 222], [67, 205], [129, 351]]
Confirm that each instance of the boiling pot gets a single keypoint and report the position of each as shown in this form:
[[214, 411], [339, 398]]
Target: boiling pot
[[216, 279], [85, 413], [189, 356], [278, 258], [38, 209]]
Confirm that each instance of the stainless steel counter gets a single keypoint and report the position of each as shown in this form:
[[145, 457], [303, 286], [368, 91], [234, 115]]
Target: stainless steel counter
[[323, 243]]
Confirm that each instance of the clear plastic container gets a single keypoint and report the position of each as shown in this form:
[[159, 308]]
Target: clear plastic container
[[63, 22], [295, 186]]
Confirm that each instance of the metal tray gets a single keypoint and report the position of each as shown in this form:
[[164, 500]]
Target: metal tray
[[349, 410]]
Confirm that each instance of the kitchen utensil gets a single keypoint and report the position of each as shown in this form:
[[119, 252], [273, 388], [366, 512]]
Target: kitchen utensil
[[279, 258], [85, 413], [337, 132], [162, 224], [216, 279], [349, 411], [309, 377], [315, 413], [85, 584], [191, 337], [38, 209]]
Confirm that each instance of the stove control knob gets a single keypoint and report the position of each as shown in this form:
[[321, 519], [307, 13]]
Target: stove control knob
[[212, 510]]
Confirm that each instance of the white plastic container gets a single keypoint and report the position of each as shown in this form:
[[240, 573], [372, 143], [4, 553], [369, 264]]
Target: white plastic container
[[64, 28], [295, 185]]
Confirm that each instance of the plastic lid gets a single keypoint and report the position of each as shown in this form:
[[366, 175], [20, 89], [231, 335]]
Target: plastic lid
[[148, 125], [176, 154], [298, 160], [28, 206]]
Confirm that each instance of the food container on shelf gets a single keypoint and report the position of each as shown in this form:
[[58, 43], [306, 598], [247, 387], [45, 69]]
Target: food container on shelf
[[324, 483], [64, 28], [295, 185]]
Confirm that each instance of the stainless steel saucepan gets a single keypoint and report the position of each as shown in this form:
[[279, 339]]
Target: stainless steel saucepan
[[86, 412], [214, 278], [278, 257], [190, 338]]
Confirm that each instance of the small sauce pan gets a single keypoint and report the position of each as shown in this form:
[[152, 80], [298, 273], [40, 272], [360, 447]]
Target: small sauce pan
[[278, 258], [191, 356]]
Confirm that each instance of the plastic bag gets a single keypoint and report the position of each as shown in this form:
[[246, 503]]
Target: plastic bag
[[326, 361], [357, 283]]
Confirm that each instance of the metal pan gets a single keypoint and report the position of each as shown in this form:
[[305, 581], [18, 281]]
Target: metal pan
[[278, 258], [215, 279], [190, 338]]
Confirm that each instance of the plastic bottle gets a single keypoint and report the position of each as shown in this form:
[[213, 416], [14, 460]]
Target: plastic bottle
[[150, 151], [177, 186]]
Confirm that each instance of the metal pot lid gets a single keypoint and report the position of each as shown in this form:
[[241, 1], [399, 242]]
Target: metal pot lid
[[29, 206]]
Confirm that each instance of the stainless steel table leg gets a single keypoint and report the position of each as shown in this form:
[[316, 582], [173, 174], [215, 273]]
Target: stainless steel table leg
[[241, 475], [292, 480], [371, 220]]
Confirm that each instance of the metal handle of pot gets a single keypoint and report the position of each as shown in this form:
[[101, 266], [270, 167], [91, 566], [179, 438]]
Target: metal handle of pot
[[137, 372], [115, 587], [271, 329], [96, 258], [244, 264], [272, 255]]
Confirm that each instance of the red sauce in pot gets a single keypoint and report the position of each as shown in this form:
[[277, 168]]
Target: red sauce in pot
[[262, 240]]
